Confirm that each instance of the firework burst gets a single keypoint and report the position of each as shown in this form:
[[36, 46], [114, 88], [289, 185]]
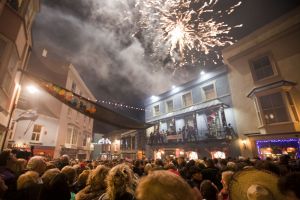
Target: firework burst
[[185, 31]]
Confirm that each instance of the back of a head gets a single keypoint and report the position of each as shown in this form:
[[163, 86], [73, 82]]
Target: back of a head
[[119, 181], [289, 185], [70, 173], [27, 180], [57, 188], [49, 175], [97, 177], [208, 190], [163, 185], [38, 164]]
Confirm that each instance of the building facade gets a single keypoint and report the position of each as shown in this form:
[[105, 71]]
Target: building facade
[[195, 118], [57, 129], [16, 18], [264, 76]]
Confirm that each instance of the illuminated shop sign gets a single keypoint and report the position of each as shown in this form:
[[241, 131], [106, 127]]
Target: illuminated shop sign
[[104, 141]]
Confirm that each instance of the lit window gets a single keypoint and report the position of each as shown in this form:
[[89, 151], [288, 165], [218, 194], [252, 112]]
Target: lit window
[[187, 99], [209, 92], [156, 110], [273, 108], [262, 68], [170, 106], [72, 134], [36, 133]]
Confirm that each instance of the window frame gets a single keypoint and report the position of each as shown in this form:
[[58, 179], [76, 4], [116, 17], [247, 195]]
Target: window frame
[[203, 91], [272, 62], [166, 104], [40, 133], [156, 113], [70, 140], [182, 102], [261, 111]]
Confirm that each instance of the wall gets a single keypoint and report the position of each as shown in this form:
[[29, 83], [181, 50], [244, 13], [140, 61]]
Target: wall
[[48, 136]]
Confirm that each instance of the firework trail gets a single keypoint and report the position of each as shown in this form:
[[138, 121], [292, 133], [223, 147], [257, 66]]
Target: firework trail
[[183, 30]]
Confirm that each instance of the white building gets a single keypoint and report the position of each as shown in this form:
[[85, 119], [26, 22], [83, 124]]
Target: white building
[[264, 76], [58, 129]]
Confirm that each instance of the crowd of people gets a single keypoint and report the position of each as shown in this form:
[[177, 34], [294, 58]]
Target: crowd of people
[[170, 179]]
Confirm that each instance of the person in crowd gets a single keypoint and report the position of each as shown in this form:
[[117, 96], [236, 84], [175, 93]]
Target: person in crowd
[[55, 186], [148, 168], [254, 184], [71, 175], [172, 168], [37, 164], [289, 186], [63, 161], [226, 177], [7, 161], [138, 168], [29, 187], [163, 185], [82, 180], [3, 188], [96, 184], [120, 184], [208, 190]]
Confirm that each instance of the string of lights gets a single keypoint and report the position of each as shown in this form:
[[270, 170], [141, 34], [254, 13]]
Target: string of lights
[[120, 105]]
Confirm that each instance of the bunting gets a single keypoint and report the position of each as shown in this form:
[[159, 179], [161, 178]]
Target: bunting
[[86, 106]]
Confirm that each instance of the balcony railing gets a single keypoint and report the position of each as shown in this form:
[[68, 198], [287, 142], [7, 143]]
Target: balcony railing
[[190, 137]]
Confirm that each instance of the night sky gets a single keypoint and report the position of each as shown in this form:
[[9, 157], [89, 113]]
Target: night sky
[[91, 35]]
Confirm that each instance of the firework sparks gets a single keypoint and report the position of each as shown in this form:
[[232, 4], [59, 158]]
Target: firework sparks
[[183, 30]]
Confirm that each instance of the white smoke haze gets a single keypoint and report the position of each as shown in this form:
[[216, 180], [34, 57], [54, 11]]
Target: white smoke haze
[[98, 42]]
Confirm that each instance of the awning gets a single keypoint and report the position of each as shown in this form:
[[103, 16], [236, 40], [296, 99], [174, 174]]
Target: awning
[[88, 107]]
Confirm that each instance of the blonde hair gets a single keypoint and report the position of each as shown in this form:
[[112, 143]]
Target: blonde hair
[[226, 177], [28, 179], [83, 177], [96, 179], [49, 175], [119, 181], [163, 185], [38, 164]]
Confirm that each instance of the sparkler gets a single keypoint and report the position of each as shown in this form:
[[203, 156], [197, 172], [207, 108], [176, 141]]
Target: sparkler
[[185, 30]]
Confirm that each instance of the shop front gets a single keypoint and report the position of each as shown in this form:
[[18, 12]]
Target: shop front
[[274, 148]]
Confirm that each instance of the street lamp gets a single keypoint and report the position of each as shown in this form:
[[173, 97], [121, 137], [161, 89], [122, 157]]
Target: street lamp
[[32, 89]]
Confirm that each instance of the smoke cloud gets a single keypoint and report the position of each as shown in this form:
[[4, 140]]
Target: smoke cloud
[[96, 36]]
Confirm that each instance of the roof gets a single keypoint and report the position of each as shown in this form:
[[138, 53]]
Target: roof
[[271, 86]]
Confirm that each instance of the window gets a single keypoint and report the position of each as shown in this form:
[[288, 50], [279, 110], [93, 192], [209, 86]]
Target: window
[[11, 130], [84, 140], [36, 133], [72, 134], [262, 68], [273, 108], [292, 105], [156, 110], [169, 106], [9, 73], [209, 92], [187, 99], [73, 87]]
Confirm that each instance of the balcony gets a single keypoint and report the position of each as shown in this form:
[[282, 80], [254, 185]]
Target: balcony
[[191, 136]]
